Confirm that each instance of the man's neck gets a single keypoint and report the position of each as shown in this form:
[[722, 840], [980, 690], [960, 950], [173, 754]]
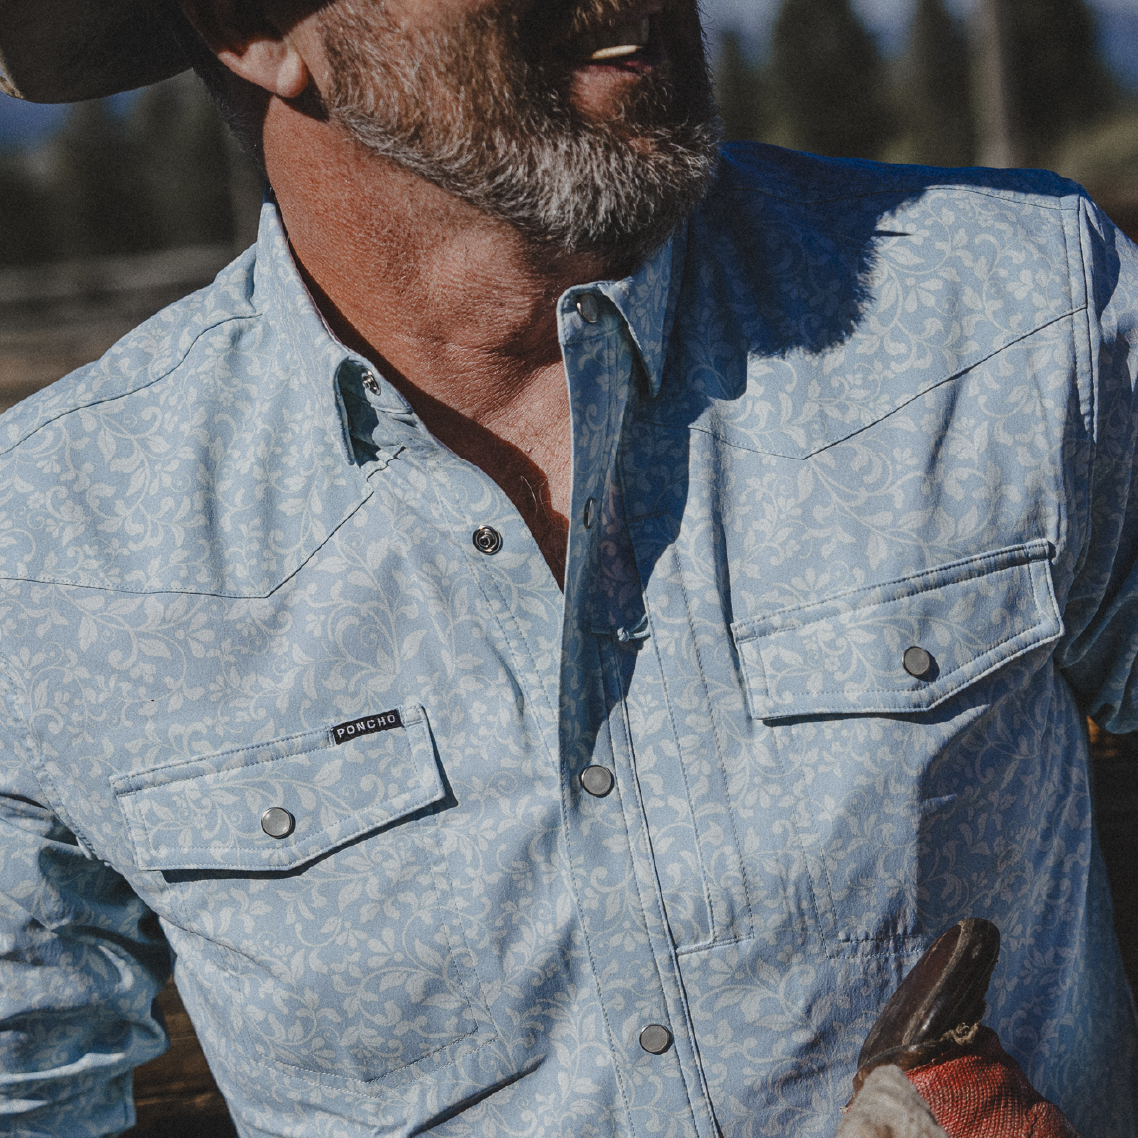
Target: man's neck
[[456, 308]]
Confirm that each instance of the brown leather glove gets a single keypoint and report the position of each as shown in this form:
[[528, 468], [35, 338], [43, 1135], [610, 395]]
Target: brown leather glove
[[931, 1030]]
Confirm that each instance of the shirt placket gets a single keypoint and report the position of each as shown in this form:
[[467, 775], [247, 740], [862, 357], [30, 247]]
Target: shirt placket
[[611, 866]]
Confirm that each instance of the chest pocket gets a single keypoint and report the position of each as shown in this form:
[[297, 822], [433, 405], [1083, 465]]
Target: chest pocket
[[281, 804], [307, 903], [903, 646], [848, 689]]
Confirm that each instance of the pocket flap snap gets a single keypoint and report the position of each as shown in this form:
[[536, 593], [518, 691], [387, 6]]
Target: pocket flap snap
[[903, 646], [277, 805]]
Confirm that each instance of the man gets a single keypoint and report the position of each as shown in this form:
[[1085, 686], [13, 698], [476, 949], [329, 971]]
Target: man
[[548, 638]]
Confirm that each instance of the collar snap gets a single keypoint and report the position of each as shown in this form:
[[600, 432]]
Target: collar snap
[[588, 308]]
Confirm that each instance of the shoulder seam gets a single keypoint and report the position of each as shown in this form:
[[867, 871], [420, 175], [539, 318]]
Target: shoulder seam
[[1067, 203], [133, 390]]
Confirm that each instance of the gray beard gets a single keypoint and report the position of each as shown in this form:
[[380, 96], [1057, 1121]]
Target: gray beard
[[464, 110]]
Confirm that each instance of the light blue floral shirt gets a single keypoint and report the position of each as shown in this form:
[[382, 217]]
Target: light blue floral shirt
[[290, 697]]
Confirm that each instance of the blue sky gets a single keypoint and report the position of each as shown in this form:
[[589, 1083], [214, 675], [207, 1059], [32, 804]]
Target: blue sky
[[889, 19], [20, 122]]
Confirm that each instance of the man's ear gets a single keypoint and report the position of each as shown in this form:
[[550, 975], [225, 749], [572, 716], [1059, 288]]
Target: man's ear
[[253, 41]]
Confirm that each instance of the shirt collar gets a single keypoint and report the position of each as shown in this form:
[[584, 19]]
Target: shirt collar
[[646, 301], [280, 291], [374, 417]]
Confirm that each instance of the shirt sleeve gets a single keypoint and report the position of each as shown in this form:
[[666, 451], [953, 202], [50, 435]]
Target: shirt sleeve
[[1100, 644], [81, 960]]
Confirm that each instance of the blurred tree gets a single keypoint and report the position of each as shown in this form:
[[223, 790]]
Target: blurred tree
[[183, 162], [99, 204], [738, 90], [1057, 79], [934, 90], [165, 175], [828, 81], [24, 233]]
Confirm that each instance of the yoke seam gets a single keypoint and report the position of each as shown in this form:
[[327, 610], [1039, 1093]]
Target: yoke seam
[[920, 394], [134, 390]]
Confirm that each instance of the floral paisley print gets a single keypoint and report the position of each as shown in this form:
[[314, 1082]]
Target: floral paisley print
[[851, 554]]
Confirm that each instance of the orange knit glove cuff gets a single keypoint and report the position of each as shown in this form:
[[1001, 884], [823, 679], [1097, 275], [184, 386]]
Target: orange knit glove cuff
[[982, 1092]]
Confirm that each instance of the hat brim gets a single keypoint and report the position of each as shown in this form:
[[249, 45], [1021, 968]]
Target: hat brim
[[62, 51]]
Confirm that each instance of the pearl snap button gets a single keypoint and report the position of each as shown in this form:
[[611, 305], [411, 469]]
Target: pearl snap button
[[588, 307], [917, 662], [655, 1039], [590, 513], [598, 781], [487, 540], [277, 822]]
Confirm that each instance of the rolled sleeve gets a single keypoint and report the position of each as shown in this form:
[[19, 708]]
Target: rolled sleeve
[[81, 960]]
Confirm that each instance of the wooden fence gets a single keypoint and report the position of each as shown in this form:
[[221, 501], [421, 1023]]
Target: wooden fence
[[54, 318]]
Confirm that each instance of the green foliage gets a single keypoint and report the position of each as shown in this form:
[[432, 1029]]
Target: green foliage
[[183, 157], [166, 175], [828, 81], [935, 91], [1058, 80], [24, 233], [739, 90], [95, 191], [826, 89]]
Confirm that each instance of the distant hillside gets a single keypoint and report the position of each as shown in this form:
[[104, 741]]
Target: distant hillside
[[1118, 35]]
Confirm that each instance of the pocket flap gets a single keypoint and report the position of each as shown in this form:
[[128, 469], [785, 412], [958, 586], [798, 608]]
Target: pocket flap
[[845, 655], [206, 812]]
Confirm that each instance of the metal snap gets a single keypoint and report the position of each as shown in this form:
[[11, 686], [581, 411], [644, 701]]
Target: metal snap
[[917, 662], [598, 781], [277, 822], [487, 540], [367, 378], [655, 1039], [590, 513], [588, 307]]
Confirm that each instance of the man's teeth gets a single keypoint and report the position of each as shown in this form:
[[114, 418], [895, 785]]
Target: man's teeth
[[616, 51], [618, 42]]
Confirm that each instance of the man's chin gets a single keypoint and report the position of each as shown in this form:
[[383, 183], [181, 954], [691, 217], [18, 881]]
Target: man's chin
[[594, 156], [621, 239]]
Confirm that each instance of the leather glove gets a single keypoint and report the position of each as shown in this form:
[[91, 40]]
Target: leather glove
[[931, 1030]]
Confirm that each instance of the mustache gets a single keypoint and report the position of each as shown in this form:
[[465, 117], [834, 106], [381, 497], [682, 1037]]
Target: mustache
[[574, 18]]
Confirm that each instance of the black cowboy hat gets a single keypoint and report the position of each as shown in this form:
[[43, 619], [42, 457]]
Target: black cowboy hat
[[61, 51]]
